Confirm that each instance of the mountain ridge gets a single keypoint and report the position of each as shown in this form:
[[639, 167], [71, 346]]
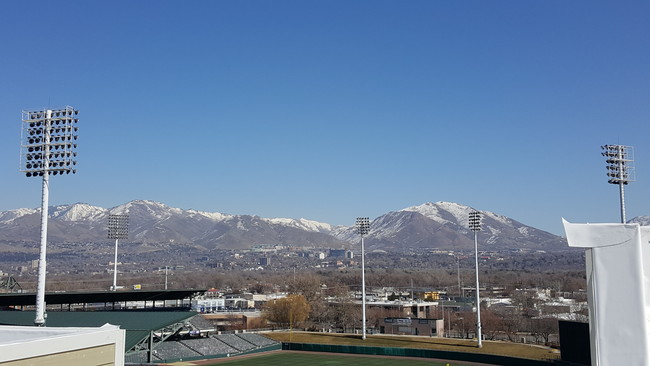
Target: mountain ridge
[[442, 225]]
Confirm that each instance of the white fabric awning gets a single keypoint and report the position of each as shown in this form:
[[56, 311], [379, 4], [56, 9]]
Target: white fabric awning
[[618, 284]]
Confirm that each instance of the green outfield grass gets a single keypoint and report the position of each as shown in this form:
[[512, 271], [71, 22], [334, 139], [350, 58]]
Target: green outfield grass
[[313, 359]]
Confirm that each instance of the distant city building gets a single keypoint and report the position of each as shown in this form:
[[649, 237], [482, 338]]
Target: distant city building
[[341, 253], [268, 248], [337, 253], [209, 305], [414, 309], [412, 326], [265, 261], [432, 295]]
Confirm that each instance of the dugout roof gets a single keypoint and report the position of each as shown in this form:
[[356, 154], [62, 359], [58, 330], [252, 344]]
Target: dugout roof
[[52, 298], [138, 324]]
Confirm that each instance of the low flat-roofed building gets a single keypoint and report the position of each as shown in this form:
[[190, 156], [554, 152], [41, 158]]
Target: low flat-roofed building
[[415, 309], [412, 326]]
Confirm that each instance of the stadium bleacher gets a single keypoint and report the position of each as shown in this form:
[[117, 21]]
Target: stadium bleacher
[[257, 340], [216, 345], [209, 346], [200, 323], [173, 351]]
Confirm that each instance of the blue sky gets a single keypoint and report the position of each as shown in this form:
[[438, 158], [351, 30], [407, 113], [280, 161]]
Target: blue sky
[[329, 110]]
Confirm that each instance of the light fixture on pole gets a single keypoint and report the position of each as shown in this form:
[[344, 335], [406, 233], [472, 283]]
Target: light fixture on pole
[[620, 169], [48, 147], [118, 228], [363, 228], [475, 226]]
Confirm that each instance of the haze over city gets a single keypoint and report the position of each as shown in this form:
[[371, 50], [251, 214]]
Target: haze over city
[[333, 110]]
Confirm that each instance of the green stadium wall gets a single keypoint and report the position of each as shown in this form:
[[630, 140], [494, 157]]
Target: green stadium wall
[[415, 352]]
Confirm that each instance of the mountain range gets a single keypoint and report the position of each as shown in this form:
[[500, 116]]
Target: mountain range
[[440, 225]]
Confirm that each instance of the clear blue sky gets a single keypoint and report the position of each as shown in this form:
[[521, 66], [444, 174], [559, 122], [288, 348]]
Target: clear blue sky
[[329, 110]]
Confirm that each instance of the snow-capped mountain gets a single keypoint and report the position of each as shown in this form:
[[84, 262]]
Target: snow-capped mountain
[[430, 225], [445, 225], [78, 212], [11, 215], [156, 222]]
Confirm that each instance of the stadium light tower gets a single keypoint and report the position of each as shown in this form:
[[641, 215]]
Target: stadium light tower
[[475, 226], [48, 147], [363, 228], [620, 169], [118, 228]]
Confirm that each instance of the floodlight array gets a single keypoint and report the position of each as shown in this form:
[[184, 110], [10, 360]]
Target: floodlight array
[[118, 226], [49, 141], [619, 159], [475, 221], [363, 225]]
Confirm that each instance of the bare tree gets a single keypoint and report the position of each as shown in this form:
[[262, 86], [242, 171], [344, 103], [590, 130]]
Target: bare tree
[[464, 323], [512, 323], [307, 285], [491, 323], [543, 328], [345, 315]]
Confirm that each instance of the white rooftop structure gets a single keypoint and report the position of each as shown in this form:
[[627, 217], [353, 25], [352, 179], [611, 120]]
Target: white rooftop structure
[[62, 345]]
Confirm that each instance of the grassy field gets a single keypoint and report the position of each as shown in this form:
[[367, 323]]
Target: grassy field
[[444, 344], [316, 359]]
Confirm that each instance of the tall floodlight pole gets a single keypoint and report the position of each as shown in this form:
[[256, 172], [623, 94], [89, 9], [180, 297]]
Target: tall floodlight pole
[[460, 289], [363, 228], [48, 147], [620, 169], [475, 226], [118, 228], [166, 277]]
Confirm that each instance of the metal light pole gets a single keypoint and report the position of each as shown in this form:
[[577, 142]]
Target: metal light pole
[[475, 226], [363, 228], [166, 277], [48, 147], [619, 159], [118, 228], [460, 289]]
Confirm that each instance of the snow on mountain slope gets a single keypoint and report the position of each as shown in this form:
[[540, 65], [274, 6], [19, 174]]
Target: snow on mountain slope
[[78, 212], [450, 212], [442, 212], [152, 208], [303, 224], [214, 216], [7, 217]]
